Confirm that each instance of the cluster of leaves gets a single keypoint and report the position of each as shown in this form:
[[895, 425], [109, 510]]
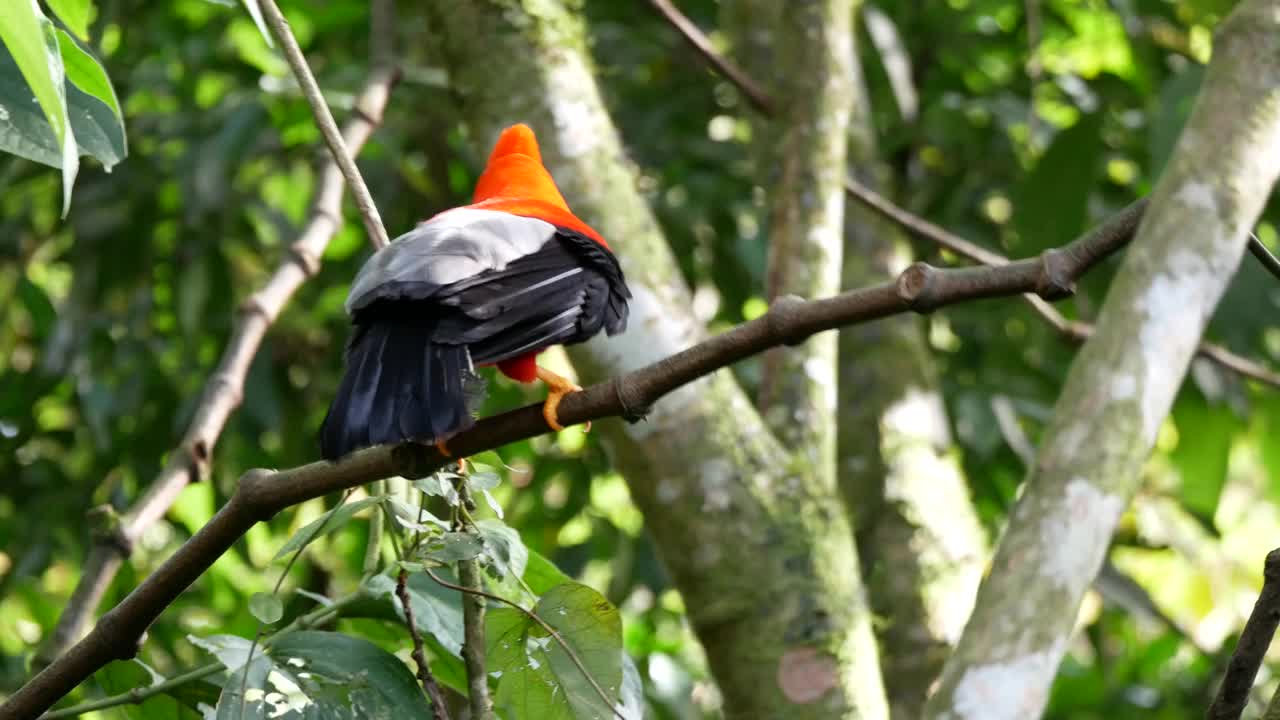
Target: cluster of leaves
[[120, 312]]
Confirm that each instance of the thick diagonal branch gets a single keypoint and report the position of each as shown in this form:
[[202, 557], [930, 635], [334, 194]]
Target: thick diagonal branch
[[261, 494], [223, 391]]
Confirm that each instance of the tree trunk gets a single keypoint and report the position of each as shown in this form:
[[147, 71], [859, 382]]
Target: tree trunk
[[1123, 382], [922, 547], [757, 545]]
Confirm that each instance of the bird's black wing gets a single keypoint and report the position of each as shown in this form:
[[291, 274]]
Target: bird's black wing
[[563, 293]]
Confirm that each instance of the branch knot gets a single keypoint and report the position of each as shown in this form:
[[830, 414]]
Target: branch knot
[[915, 287], [634, 409], [784, 312], [1056, 275]]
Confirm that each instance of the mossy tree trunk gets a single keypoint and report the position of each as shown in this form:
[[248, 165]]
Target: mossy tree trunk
[[921, 544], [756, 541]]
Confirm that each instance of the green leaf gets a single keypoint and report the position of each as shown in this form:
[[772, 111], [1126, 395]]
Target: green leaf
[[326, 675], [437, 610], [452, 547], [1205, 431], [230, 650], [540, 574], [439, 485], [266, 607], [24, 130], [503, 547], [120, 677], [1051, 204], [539, 679], [75, 14], [341, 516], [483, 480], [39, 307], [32, 44], [86, 73]]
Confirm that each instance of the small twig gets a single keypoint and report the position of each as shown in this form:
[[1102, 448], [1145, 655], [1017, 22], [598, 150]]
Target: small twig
[[1260, 252], [439, 710], [373, 546], [702, 44], [545, 626], [1251, 649], [137, 695], [1126, 220], [324, 120]]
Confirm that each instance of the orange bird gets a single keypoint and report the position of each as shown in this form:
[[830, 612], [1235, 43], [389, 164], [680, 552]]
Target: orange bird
[[491, 283]]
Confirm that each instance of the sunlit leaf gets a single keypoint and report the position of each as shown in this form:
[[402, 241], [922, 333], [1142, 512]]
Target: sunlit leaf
[[75, 14], [539, 678], [309, 674], [31, 45], [266, 607]]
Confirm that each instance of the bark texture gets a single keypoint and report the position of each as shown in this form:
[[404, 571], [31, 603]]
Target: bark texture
[[757, 544], [812, 91], [921, 544], [1123, 382]]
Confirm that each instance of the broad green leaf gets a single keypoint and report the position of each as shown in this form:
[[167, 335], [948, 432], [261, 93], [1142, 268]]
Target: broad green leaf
[[1050, 208], [412, 517], [452, 547], [539, 679], [314, 675], [25, 131], [75, 14], [230, 650], [440, 485], [486, 480], [631, 700], [437, 610], [266, 607], [325, 524], [540, 574], [503, 547], [32, 43]]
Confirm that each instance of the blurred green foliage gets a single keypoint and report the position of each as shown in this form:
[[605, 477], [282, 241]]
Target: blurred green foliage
[[116, 315]]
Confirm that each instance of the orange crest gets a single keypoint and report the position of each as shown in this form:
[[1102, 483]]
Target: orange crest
[[515, 181]]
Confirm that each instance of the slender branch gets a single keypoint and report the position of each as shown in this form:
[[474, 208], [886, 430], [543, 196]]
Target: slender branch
[[1251, 649], [564, 645], [702, 44], [137, 695], [473, 611], [223, 392], [324, 120], [439, 710], [260, 494], [1126, 220]]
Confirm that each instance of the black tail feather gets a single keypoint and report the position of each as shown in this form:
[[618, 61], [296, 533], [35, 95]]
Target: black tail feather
[[399, 385]]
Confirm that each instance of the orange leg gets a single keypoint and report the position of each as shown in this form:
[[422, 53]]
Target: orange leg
[[557, 388], [444, 449]]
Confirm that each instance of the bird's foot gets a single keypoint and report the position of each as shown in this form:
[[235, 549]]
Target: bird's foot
[[443, 448], [557, 388]]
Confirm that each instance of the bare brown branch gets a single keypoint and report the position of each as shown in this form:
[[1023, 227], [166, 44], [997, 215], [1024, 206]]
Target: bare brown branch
[[261, 493], [1251, 649], [324, 120]]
